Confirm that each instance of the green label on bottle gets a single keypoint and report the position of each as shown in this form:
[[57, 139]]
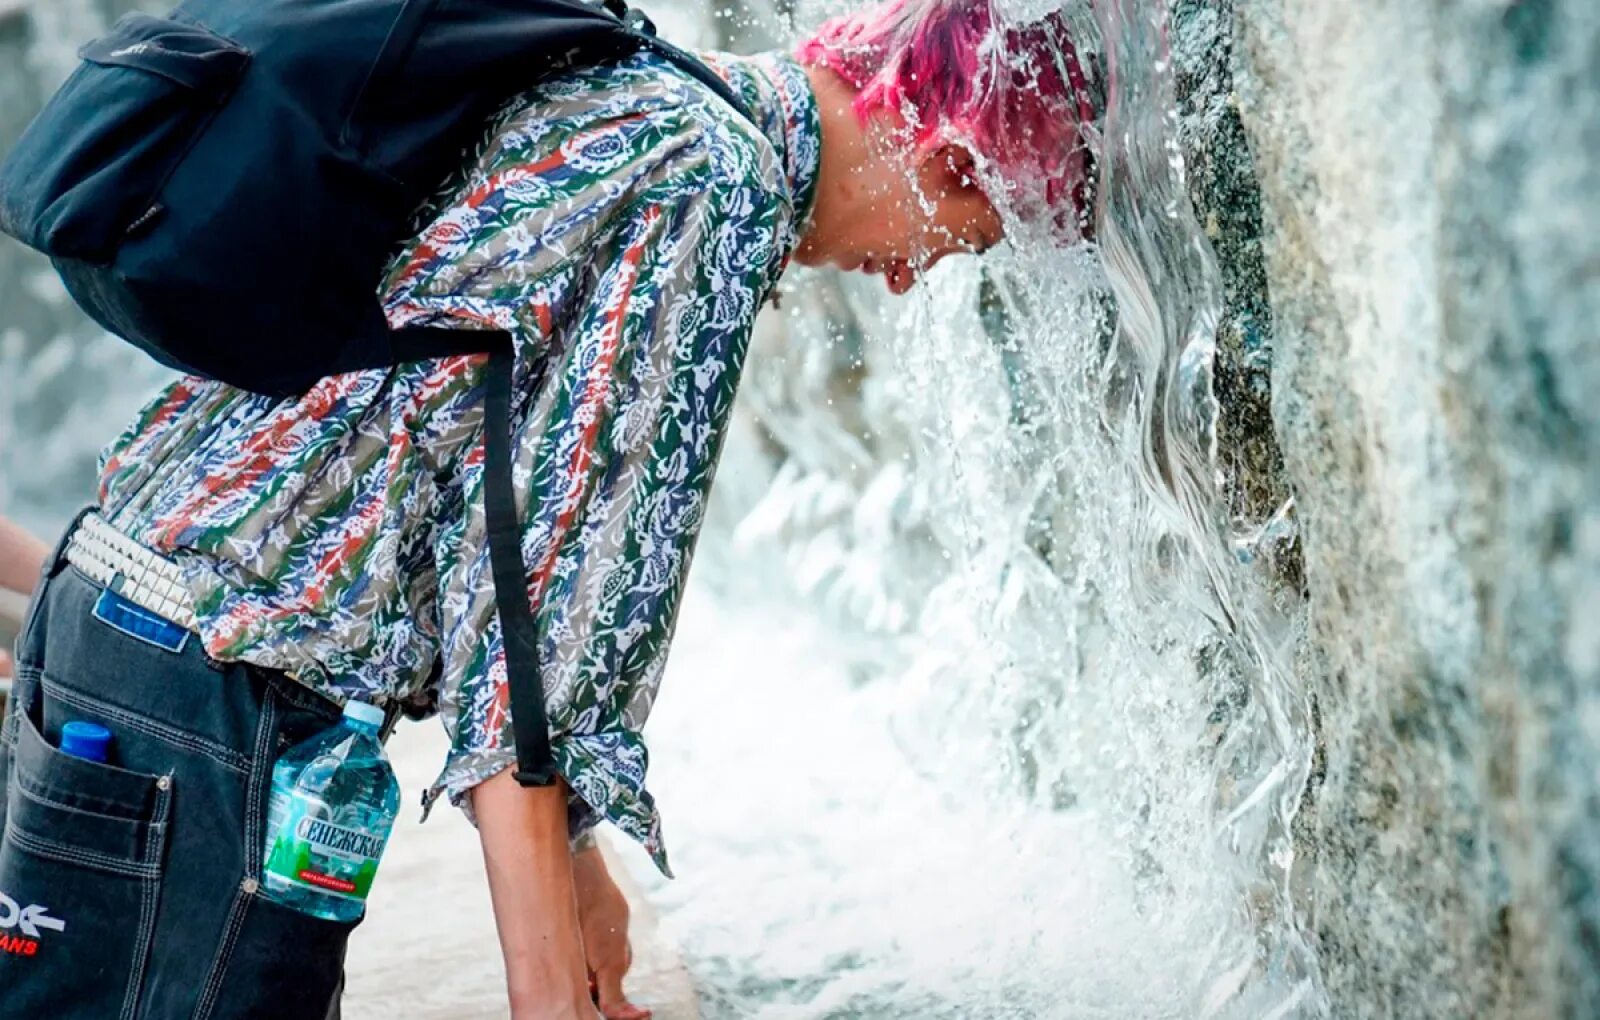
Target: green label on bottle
[[313, 852]]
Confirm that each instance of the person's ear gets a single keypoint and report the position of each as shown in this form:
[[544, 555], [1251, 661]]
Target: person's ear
[[953, 166]]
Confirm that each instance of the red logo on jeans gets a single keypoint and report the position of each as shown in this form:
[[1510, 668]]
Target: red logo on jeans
[[18, 946], [29, 921]]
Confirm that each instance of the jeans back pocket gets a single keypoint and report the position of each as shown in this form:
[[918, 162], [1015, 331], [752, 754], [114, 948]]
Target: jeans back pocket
[[80, 876]]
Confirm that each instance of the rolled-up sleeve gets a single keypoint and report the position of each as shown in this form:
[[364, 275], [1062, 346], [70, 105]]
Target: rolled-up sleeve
[[628, 258]]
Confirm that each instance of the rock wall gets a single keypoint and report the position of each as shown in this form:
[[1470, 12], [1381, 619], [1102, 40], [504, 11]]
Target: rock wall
[[1429, 177]]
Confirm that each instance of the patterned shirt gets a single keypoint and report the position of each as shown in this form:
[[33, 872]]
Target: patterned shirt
[[625, 225]]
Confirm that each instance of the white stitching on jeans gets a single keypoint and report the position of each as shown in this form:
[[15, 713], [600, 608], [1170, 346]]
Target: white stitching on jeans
[[155, 837], [261, 768], [219, 967], [254, 838], [73, 855], [26, 785]]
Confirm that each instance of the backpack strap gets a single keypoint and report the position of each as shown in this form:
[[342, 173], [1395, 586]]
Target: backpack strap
[[519, 632]]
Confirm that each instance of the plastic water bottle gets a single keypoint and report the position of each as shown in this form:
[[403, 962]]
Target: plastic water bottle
[[334, 800]]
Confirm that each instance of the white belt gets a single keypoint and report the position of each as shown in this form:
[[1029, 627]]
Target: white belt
[[151, 581], [142, 576]]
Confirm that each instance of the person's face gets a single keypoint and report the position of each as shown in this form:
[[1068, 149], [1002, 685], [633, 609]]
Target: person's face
[[901, 215]]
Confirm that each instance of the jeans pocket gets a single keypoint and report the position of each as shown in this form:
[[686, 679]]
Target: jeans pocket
[[275, 962], [80, 876], [284, 965]]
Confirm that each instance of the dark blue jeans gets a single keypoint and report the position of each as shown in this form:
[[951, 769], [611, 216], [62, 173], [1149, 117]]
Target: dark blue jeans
[[130, 889]]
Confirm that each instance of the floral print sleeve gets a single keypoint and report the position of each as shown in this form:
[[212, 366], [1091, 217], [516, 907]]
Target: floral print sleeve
[[627, 239]]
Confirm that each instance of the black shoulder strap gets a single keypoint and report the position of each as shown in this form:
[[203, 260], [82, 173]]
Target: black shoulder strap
[[519, 631]]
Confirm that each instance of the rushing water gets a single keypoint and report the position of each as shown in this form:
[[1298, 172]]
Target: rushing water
[[999, 693], [1002, 495]]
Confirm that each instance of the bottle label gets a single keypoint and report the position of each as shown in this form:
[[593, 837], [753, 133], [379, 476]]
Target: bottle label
[[311, 851]]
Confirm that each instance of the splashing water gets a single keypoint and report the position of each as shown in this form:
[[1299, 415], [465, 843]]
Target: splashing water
[[1000, 499]]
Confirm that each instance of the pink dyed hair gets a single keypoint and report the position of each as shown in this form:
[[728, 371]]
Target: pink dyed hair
[[1015, 94]]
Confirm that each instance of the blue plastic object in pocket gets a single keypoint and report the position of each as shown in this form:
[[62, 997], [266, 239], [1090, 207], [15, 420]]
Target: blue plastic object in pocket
[[87, 740]]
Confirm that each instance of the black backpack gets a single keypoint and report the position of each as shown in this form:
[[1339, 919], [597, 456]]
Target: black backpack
[[223, 187]]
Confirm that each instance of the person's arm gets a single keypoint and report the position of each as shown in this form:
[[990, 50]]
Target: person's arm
[[22, 557], [528, 233], [529, 865], [628, 264]]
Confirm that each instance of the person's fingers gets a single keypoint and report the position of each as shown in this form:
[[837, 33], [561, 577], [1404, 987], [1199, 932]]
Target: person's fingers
[[608, 984], [624, 1010], [7, 666], [613, 1000]]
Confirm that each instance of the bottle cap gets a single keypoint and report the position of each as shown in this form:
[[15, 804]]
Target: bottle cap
[[85, 740], [363, 712]]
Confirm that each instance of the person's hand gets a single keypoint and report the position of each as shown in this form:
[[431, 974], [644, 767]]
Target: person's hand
[[603, 918]]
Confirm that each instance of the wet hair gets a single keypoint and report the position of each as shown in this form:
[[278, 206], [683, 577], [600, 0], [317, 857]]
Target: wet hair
[[957, 71]]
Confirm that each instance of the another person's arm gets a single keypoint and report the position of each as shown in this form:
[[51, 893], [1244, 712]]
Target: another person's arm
[[22, 556]]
